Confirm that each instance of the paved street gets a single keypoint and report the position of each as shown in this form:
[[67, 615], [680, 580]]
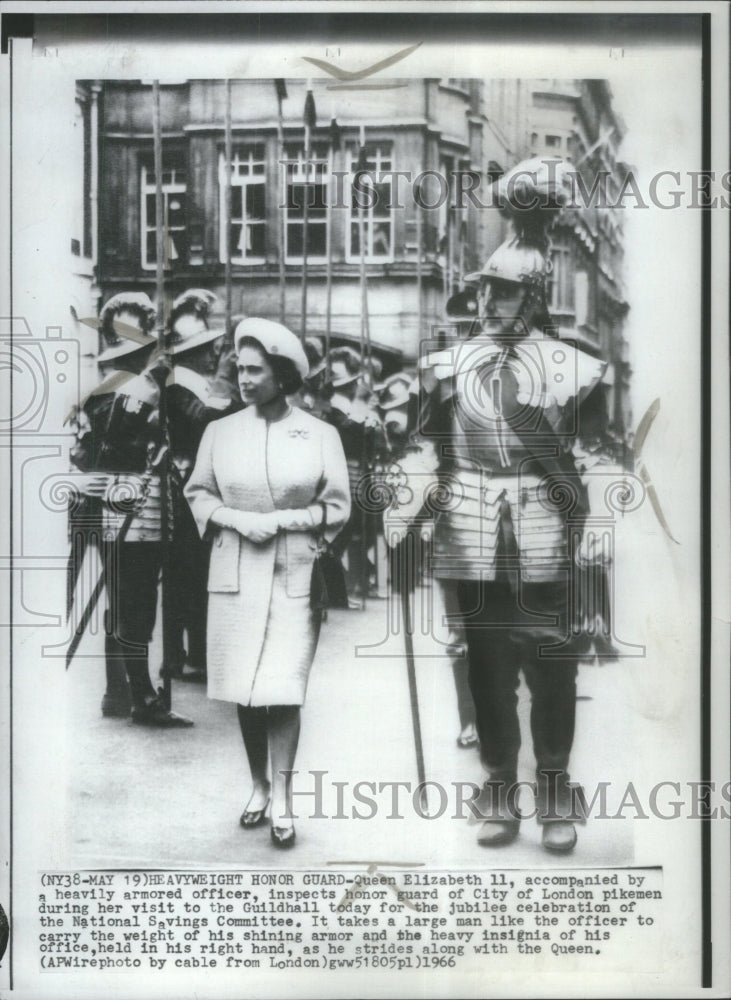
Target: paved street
[[143, 797]]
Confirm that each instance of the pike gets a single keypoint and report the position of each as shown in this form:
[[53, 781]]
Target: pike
[[161, 261], [281, 89], [403, 569], [79, 545], [228, 156], [364, 336], [334, 149], [310, 122], [97, 591]]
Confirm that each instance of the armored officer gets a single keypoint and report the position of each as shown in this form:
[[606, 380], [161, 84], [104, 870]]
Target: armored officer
[[503, 409], [118, 445], [192, 402]]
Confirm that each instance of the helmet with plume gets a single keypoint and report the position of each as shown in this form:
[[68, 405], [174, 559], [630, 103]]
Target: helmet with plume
[[127, 320]]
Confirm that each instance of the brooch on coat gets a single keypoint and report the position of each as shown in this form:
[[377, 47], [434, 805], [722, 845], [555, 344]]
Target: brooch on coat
[[299, 432]]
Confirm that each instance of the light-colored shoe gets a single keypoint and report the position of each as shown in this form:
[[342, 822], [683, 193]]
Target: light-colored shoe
[[497, 833], [559, 836]]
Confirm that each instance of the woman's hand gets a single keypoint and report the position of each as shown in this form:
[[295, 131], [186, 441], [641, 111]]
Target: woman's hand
[[296, 520], [264, 527], [258, 528]]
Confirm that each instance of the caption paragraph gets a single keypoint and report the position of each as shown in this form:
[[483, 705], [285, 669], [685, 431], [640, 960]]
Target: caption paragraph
[[338, 919]]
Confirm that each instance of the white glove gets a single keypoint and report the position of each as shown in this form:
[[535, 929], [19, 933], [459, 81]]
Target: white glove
[[258, 528], [295, 520]]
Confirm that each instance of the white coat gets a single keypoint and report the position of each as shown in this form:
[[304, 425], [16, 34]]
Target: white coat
[[261, 635]]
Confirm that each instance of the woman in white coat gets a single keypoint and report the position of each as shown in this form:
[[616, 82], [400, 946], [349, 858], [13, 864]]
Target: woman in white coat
[[268, 481]]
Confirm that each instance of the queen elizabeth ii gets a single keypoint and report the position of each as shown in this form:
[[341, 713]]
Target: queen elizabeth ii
[[268, 483]]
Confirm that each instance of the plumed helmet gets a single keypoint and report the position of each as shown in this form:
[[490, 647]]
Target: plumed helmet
[[315, 351], [514, 260], [534, 190], [394, 394], [531, 195], [345, 367], [133, 332], [189, 321], [275, 339], [199, 299]]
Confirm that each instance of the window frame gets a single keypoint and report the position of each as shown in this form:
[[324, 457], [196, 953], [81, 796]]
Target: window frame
[[375, 152], [562, 280], [168, 189], [301, 176], [243, 181]]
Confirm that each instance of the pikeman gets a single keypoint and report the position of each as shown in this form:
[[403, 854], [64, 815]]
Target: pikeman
[[192, 402], [310, 396], [119, 442], [363, 439], [503, 410], [393, 407]]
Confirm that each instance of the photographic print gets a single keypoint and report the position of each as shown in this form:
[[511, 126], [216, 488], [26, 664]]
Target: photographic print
[[361, 526]]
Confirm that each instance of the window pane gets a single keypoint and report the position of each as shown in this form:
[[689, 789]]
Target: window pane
[[176, 210], [256, 239], [238, 243], [172, 251], [361, 195], [316, 203], [255, 201], [236, 201], [354, 239], [381, 239], [382, 208], [150, 245], [150, 209], [294, 240], [180, 240], [295, 199], [316, 240]]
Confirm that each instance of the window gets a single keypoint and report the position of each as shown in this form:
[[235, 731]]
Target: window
[[81, 241], [452, 215], [308, 182], [581, 297], [376, 196], [553, 142], [248, 205], [560, 290], [174, 206]]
